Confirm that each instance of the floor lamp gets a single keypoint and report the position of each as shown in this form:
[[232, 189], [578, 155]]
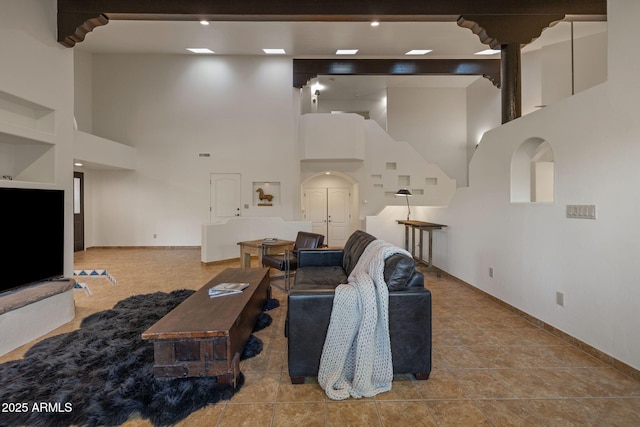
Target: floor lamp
[[406, 193]]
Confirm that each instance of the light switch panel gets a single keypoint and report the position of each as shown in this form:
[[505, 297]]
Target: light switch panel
[[581, 211]]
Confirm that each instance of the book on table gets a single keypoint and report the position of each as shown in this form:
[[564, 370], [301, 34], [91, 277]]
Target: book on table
[[226, 288]]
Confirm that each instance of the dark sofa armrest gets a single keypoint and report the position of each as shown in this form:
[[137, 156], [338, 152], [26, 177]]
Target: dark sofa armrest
[[320, 257], [308, 315]]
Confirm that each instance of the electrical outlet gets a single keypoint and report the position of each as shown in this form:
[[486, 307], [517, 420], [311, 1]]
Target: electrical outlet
[[560, 298], [490, 271]]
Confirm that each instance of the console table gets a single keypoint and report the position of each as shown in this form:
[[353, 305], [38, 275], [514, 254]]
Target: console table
[[420, 226]]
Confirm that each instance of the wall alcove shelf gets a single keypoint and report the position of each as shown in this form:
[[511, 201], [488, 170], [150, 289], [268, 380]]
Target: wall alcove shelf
[[27, 148]]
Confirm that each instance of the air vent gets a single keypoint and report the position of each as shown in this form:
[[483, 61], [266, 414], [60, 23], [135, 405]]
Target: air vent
[[204, 154]]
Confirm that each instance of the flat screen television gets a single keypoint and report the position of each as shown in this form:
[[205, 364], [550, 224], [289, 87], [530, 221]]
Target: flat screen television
[[32, 237]]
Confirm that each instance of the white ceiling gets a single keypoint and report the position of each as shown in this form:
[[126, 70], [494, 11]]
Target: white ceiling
[[316, 40]]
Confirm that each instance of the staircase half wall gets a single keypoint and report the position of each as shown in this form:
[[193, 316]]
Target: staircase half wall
[[350, 144]]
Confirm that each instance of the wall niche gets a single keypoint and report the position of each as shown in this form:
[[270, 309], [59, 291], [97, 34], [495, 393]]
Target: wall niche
[[27, 149], [266, 193], [532, 172]]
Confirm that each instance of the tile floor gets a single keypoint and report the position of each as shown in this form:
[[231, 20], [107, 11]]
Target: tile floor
[[491, 367]]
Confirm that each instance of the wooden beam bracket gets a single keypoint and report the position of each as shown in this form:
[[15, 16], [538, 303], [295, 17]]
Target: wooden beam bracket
[[73, 27]]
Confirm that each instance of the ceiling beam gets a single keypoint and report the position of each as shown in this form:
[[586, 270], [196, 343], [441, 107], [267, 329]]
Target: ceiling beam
[[76, 18], [307, 69]]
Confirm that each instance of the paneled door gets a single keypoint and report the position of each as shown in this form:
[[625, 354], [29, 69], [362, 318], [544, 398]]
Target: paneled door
[[225, 195], [338, 215], [315, 209], [329, 210]]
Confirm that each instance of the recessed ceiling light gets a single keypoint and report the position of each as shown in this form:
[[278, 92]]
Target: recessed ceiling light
[[200, 50], [274, 51], [346, 51], [375, 24], [418, 52], [487, 52], [78, 164], [203, 22]]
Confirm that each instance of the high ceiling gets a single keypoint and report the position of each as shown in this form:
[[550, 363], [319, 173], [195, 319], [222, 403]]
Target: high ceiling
[[317, 40], [312, 30], [305, 39]]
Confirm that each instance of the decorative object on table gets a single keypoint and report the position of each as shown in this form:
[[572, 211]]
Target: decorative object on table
[[102, 373], [406, 193], [263, 196], [223, 289]]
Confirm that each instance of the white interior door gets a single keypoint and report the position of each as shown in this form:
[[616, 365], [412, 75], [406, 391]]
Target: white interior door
[[329, 210], [225, 195], [338, 216], [315, 209]]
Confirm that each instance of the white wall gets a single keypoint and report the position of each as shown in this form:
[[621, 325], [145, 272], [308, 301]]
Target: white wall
[[220, 240], [38, 69], [483, 113], [173, 107], [83, 90], [533, 248], [335, 137], [564, 72], [374, 104], [434, 122], [532, 81]]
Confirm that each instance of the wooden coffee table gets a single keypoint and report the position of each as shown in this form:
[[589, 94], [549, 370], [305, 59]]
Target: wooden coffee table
[[204, 337]]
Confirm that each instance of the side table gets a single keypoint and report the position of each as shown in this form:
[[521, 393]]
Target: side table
[[261, 247]]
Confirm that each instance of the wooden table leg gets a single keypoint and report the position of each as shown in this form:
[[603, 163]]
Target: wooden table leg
[[245, 257]]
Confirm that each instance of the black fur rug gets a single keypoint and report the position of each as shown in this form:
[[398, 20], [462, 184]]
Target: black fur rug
[[101, 374]]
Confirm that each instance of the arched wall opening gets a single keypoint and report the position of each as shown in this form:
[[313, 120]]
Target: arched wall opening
[[532, 172], [330, 201]]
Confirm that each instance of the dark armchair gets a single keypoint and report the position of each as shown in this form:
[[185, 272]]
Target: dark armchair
[[288, 261]]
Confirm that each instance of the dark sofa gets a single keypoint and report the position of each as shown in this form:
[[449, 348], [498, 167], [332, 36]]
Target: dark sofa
[[310, 303]]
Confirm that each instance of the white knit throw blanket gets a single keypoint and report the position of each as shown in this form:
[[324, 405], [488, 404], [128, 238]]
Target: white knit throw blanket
[[356, 357]]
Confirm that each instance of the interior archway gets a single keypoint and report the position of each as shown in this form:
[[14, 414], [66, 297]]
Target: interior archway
[[330, 202], [532, 172]]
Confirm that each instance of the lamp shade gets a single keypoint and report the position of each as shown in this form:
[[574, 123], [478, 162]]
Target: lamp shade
[[403, 192], [406, 193]]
